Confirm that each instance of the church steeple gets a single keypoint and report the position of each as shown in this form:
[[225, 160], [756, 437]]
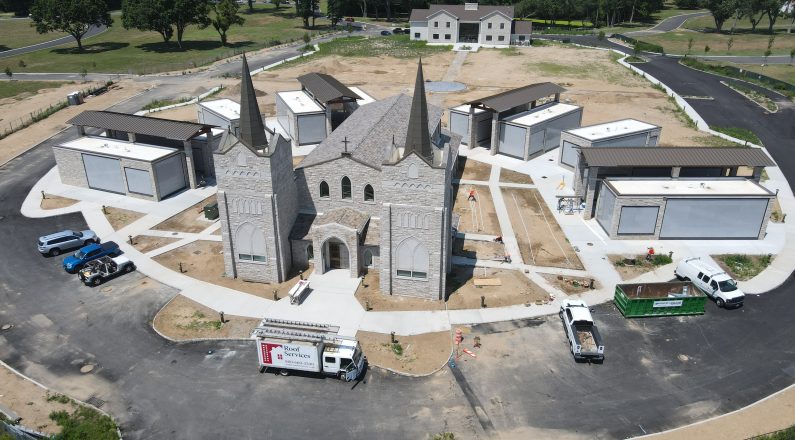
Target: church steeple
[[252, 131], [417, 137]]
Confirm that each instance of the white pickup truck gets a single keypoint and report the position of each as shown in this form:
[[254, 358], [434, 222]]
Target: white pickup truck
[[584, 339]]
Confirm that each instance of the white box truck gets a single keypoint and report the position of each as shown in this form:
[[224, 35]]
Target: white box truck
[[713, 281], [287, 346]]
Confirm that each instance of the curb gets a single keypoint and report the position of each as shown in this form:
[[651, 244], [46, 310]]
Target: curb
[[178, 341], [48, 389]]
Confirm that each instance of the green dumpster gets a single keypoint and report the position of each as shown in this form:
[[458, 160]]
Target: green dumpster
[[659, 299], [211, 211]]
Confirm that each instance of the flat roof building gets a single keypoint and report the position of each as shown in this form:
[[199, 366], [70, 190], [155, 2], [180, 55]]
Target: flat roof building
[[621, 133]]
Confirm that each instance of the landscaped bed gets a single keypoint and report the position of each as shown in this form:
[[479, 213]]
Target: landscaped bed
[[479, 250], [743, 267], [510, 176], [570, 285], [632, 266], [419, 354], [470, 169], [541, 241], [183, 318], [146, 243], [120, 218], [55, 202], [189, 220], [514, 288], [370, 297]]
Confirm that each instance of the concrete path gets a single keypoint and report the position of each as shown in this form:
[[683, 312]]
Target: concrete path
[[450, 75], [667, 25], [92, 31]]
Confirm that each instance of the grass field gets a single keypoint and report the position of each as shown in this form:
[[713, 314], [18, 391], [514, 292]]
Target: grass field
[[132, 51], [783, 72], [9, 89], [743, 26], [17, 32], [399, 46]]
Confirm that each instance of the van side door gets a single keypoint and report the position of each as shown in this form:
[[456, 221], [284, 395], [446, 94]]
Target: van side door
[[331, 364], [713, 287]]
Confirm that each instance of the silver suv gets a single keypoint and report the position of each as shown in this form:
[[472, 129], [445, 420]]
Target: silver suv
[[58, 242]]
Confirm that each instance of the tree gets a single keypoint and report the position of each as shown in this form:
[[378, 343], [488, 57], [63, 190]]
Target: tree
[[74, 17], [729, 44], [250, 6], [225, 16], [334, 11], [20, 8], [306, 10], [721, 10], [190, 12], [752, 8], [148, 15], [773, 10]]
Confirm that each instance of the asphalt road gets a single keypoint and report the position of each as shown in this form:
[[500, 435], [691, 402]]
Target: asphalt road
[[667, 25], [92, 31], [659, 373]]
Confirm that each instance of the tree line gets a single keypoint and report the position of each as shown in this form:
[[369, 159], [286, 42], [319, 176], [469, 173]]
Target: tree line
[[166, 17], [724, 11]]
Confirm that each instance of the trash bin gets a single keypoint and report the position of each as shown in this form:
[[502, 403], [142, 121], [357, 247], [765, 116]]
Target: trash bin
[[74, 98], [211, 211]]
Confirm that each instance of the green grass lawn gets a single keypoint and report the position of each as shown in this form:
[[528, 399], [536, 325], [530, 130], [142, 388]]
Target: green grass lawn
[[743, 26], [783, 72], [399, 46], [9, 89], [17, 32], [670, 10], [744, 44], [132, 51], [742, 134]]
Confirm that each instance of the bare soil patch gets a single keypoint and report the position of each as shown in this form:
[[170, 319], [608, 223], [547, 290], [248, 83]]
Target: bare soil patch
[[419, 354], [511, 176], [183, 318], [204, 261], [514, 288], [776, 214], [54, 202], [146, 243], [370, 297], [469, 169], [570, 285], [30, 402], [189, 220], [478, 216], [120, 218], [541, 241], [480, 250]]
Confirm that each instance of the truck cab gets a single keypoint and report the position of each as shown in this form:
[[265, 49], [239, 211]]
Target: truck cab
[[713, 281], [343, 359]]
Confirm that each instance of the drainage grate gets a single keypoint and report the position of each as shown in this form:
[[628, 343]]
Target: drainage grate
[[95, 401]]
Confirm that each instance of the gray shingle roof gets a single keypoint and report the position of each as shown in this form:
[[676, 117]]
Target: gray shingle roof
[[523, 95], [348, 217], [370, 131], [460, 12], [675, 156], [326, 88], [252, 130], [164, 128], [418, 140]]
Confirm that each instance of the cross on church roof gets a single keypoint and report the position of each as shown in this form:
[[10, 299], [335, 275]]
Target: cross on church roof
[[345, 141]]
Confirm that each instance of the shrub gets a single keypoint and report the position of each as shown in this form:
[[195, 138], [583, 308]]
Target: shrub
[[397, 349], [661, 260], [601, 35], [85, 423]]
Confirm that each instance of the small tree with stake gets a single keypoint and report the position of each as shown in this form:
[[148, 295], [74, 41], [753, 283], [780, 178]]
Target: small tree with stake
[[225, 17], [74, 17]]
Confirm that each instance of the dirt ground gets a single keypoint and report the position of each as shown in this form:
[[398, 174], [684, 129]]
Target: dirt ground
[[481, 250], [370, 297], [570, 285], [629, 271], [540, 238], [189, 220], [120, 218], [477, 217], [515, 289], [30, 403], [204, 261], [421, 354], [22, 140], [183, 318], [469, 169], [146, 243], [55, 202], [510, 176]]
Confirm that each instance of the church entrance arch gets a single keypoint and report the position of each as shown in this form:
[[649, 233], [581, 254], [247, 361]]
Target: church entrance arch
[[335, 255]]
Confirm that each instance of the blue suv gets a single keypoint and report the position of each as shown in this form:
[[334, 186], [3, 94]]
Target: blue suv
[[75, 262]]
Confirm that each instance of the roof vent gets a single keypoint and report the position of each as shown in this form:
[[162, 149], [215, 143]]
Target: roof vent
[[470, 6]]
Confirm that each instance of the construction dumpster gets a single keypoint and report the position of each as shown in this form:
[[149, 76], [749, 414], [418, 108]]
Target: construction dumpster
[[659, 299]]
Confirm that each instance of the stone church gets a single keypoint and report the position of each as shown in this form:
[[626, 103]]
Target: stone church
[[375, 195]]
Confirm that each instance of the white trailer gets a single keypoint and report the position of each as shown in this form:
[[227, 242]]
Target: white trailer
[[304, 346]]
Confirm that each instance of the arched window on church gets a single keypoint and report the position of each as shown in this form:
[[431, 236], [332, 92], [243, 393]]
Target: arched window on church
[[324, 192], [369, 193], [346, 188], [412, 259], [413, 171], [310, 253], [250, 242]]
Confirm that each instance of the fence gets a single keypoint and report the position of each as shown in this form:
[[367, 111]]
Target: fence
[[36, 116]]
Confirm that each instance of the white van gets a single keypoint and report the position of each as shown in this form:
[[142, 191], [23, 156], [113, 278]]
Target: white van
[[713, 281]]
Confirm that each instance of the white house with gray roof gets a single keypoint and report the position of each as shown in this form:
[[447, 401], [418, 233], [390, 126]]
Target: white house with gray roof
[[469, 23], [375, 196]]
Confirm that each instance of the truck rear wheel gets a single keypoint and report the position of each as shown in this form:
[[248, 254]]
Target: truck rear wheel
[[96, 281], [128, 268], [284, 372], [54, 252]]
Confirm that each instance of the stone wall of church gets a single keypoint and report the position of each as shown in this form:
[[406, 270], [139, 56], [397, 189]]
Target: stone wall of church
[[308, 183]]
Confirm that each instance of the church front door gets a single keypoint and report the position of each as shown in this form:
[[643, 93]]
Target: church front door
[[335, 255]]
